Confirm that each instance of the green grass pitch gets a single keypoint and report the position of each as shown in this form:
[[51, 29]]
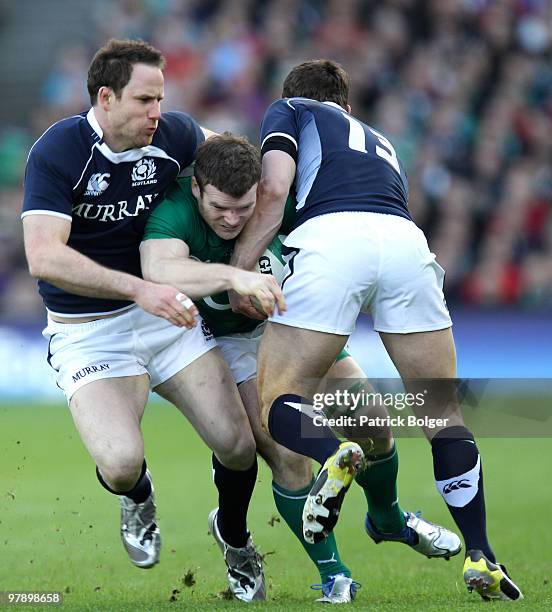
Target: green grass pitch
[[59, 529]]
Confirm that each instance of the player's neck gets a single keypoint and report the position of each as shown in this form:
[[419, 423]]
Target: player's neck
[[115, 143]]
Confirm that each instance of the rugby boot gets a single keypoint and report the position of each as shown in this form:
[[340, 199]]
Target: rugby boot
[[244, 565], [422, 536], [139, 531], [325, 498], [337, 589], [489, 579]]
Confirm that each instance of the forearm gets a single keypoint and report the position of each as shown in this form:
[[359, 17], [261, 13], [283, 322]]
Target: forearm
[[194, 278], [72, 271], [259, 232]]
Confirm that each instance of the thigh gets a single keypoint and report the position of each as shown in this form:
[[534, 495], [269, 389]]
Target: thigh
[[293, 360], [107, 415], [426, 362], [205, 392], [347, 367], [250, 400], [422, 355], [346, 374]]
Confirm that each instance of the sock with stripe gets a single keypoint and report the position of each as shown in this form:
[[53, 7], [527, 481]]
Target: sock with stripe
[[459, 479], [324, 554]]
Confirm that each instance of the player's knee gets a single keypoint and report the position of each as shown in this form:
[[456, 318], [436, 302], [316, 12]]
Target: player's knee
[[121, 473], [289, 470], [237, 452], [377, 445]]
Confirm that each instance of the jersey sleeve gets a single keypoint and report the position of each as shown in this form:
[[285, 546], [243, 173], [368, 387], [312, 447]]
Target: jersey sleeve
[[47, 188], [172, 218], [186, 135], [279, 129]]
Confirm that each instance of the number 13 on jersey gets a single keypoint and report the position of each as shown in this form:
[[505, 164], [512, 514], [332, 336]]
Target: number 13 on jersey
[[357, 142]]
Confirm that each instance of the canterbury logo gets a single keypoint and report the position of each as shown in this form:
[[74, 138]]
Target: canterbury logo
[[456, 485], [97, 184]]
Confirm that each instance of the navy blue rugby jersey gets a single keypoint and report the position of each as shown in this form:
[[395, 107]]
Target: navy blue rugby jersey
[[342, 163], [72, 174]]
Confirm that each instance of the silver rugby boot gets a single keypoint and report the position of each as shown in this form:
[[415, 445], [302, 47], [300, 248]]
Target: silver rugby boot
[[245, 568]]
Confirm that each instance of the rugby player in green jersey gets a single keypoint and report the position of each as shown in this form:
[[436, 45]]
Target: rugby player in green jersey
[[187, 238]]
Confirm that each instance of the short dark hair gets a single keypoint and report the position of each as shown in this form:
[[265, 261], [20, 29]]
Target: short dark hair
[[323, 80], [228, 162], [113, 63]]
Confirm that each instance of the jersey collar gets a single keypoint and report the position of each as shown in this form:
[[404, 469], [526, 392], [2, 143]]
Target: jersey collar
[[130, 155], [333, 104], [91, 118]]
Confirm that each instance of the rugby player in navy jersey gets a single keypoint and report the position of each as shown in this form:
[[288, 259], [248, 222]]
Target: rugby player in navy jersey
[[355, 248], [90, 184]]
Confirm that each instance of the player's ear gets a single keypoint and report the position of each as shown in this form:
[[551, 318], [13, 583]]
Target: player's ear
[[105, 95], [195, 188], [348, 109]]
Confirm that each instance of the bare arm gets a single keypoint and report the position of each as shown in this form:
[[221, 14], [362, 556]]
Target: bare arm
[[166, 260], [278, 173], [52, 260]]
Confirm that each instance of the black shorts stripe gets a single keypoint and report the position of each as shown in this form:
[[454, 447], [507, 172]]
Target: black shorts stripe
[[289, 254], [49, 358]]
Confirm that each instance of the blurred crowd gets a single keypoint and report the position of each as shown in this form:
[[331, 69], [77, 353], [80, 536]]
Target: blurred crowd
[[463, 88]]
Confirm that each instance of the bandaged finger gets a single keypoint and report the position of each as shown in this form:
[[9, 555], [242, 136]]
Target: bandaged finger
[[184, 300]]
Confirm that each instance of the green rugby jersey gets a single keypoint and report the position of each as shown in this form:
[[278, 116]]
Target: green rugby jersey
[[178, 217]]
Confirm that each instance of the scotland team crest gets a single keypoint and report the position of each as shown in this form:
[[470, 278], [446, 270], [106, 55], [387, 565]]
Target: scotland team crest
[[143, 172]]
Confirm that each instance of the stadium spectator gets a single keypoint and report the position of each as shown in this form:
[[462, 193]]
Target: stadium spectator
[[463, 88]]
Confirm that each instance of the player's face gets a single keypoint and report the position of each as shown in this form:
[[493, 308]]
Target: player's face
[[133, 118], [225, 215]]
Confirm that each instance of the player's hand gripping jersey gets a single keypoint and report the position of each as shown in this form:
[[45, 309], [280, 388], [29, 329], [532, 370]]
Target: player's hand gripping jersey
[[178, 217], [72, 174], [342, 163]]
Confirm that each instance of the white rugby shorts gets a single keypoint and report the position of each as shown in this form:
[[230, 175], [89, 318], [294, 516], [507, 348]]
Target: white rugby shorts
[[240, 353], [132, 343], [350, 262]]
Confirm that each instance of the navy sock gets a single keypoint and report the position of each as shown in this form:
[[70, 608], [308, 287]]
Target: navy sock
[[293, 428], [459, 479], [139, 492], [235, 489]]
